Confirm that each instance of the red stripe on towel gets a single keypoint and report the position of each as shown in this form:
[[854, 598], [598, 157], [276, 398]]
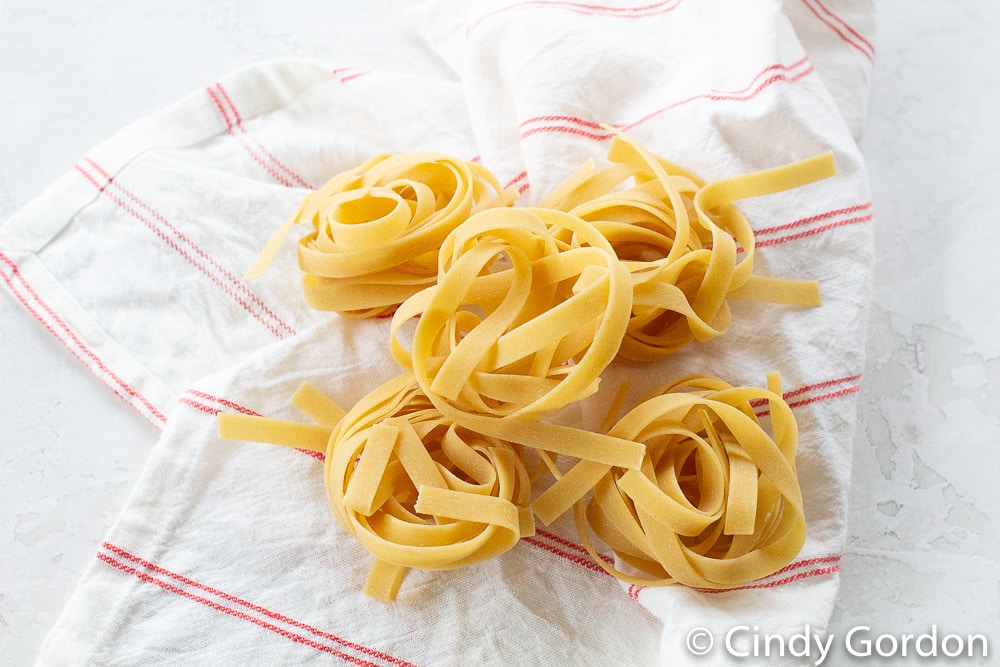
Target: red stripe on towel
[[250, 606], [760, 82], [55, 325]]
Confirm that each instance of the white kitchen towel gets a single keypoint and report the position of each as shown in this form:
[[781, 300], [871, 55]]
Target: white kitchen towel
[[226, 552]]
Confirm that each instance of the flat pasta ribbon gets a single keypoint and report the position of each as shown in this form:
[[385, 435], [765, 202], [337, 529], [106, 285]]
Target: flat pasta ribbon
[[377, 229], [529, 308], [716, 502], [417, 490], [678, 236]]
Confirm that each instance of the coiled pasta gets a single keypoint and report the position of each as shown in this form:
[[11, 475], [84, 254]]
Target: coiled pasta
[[529, 308], [716, 502], [414, 488], [377, 229], [678, 236]]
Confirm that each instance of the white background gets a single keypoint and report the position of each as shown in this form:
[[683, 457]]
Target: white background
[[925, 501]]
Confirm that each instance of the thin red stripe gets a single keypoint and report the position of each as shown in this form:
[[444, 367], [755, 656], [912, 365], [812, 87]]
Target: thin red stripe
[[199, 406], [223, 401], [221, 108], [232, 612], [274, 160], [772, 68], [562, 540], [562, 119], [822, 397], [106, 373], [775, 584], [813, 218], [737, 96], [732, 97], [597, 126], [577, 560], [260, 155], [269, 168], [173, 245], [806, 563], [591, 565], [846, 25], [757, 402], [587, 10], [356, 75], [319, 456], [183, 253], [249, 605], [821, 385], [341, 73], [229, 101], [571, 545], [567, 130], [41, 320], [865, 48], [596, 8], [235, 282], [812, 232], [278, 163], [520, 177]]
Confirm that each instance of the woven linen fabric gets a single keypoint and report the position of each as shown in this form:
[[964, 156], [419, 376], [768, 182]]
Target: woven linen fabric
[[227, 552]]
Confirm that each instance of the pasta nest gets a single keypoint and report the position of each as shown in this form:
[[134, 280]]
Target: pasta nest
[[377, 228], [681, 240], [529, 308], [419, 491], [716, 502]]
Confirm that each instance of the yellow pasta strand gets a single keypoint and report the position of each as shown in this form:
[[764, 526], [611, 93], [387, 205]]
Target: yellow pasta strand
[[383, 581], [314, 437], [315, 403]]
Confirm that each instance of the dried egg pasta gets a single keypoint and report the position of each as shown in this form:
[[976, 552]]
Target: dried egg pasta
[[678, 236], [413, 487], [377, 229], [716, 502], [529, 308]]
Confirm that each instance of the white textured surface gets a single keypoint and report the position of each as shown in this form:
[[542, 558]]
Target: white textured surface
[[925, 502], [925, 506]]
